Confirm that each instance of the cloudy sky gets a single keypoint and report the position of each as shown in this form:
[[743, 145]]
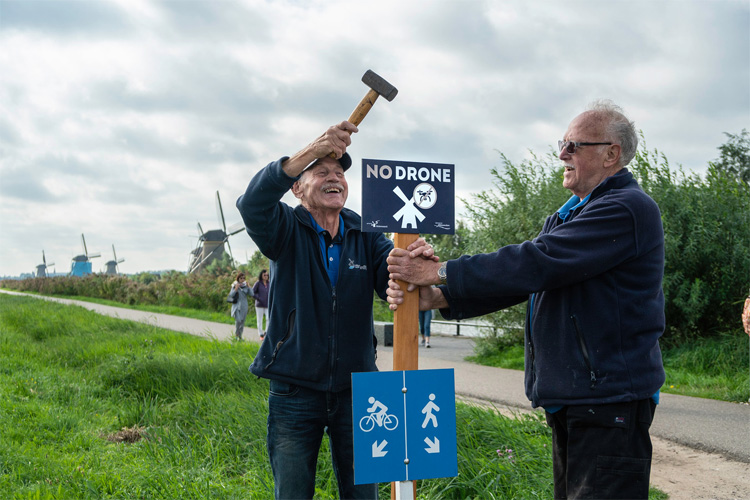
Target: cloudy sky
[[121, 119]]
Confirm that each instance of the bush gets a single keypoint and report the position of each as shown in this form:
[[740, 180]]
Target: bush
[[707, 245], [204, 291]]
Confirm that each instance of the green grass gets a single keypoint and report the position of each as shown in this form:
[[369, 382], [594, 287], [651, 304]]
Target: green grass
[[510, 357], [98, 407], [714, 368]]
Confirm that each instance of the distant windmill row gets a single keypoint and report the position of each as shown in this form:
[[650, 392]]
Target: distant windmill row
[[211, 243], [210, 247], [81, 265]]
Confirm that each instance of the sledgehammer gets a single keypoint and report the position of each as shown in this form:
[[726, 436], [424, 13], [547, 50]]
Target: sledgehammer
[[378, 87]]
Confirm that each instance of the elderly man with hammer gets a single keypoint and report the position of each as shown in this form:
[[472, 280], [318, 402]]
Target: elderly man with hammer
[[324, 271], [592, 281]]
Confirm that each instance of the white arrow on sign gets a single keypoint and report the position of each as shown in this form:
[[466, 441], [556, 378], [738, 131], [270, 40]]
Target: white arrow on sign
[[377, 449], [433, 446]]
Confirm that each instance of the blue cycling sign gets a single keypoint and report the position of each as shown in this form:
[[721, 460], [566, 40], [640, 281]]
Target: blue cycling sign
[[404, 425]]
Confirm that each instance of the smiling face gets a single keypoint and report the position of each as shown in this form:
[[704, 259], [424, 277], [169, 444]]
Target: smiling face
[[589, 165], [323, 187]]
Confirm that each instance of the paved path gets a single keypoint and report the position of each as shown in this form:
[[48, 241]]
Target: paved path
[[703, 424]]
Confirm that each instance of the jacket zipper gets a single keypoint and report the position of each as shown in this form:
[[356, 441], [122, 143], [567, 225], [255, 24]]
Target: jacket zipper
[[289, 326], [332, 341], [584, 350]]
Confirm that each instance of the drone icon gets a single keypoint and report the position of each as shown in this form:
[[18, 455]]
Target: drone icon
[[425, 195]]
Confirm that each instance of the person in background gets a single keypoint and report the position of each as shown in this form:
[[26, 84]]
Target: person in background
[[260, 292], [241, 291], [425, 318], [592, 281], [746, 315]]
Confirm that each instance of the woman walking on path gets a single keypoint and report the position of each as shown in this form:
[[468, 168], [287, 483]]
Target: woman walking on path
[[238, 297], [260, 292]]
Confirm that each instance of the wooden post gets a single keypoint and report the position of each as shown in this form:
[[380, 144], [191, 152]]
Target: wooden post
[[405, 336], [406, 320]]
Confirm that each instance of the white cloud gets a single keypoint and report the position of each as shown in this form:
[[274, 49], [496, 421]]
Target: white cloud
[[121, 119]]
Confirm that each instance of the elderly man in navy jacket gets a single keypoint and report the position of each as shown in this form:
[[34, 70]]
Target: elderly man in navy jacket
[[592, 280], [324, 271]]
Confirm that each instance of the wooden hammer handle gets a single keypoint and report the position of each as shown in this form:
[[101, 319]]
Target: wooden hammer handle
[[361, 110]]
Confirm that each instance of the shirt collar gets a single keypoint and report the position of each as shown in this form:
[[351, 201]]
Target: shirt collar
[[320, 230], [571, 205]]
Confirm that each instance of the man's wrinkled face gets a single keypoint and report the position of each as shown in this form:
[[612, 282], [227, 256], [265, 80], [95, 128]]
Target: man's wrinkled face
[[585, 169], [323, 186]]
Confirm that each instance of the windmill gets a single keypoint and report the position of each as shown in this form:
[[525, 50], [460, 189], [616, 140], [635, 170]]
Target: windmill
[[112, 267], [41, 269], [81, 265], [211, 243]]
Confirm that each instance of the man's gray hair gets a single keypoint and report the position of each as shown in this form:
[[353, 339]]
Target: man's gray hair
[[619, 128]]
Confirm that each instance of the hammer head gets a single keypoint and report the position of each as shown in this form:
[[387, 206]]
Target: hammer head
[[379, 85]]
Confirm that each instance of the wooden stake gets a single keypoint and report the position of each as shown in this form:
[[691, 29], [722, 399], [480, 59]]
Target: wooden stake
[[406, 320], [405, 339]]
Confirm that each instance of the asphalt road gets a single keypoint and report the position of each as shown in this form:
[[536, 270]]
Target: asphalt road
[[703, 424]]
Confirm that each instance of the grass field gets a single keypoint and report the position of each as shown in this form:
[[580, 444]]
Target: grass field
[[97, 407]]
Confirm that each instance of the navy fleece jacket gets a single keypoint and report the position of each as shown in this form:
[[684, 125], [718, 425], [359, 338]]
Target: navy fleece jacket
[[317, 334], [598, 310]]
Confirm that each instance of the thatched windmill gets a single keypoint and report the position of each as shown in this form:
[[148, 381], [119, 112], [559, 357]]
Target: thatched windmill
[[112, 265], [211, 243], [41, 269]]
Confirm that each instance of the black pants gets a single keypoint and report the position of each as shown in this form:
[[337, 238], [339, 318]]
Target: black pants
[[602, 451]]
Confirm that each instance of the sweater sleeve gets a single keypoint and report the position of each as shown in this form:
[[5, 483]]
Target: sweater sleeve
[[463, 309], [382, 247], [598, 239], [267, 219]]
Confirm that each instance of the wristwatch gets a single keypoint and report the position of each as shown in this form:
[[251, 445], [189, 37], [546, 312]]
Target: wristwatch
[[443, 273]]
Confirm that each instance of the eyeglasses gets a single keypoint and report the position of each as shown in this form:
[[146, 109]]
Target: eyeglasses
[[570, 147]]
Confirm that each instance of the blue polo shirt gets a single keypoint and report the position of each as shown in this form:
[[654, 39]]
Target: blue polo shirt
[[330, 249]]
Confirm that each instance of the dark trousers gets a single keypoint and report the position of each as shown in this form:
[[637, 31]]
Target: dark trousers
[[602, 451], [297, 419]]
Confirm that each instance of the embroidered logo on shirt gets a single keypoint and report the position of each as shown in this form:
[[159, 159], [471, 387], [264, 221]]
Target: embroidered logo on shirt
[[352, 265], [619, 420]]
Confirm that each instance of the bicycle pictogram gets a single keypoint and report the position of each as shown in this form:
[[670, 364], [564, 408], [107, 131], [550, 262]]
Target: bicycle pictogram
[[378, 416]]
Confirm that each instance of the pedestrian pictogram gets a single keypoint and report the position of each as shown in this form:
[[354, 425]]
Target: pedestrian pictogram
[[427, 410]]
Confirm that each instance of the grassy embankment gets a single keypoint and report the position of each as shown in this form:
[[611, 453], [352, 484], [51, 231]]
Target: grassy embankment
[[97, 407]]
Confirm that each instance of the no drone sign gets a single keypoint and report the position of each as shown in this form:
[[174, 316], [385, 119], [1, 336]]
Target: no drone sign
[[408, 197]]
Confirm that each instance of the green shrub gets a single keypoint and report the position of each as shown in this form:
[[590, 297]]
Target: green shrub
[[707, 245]]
